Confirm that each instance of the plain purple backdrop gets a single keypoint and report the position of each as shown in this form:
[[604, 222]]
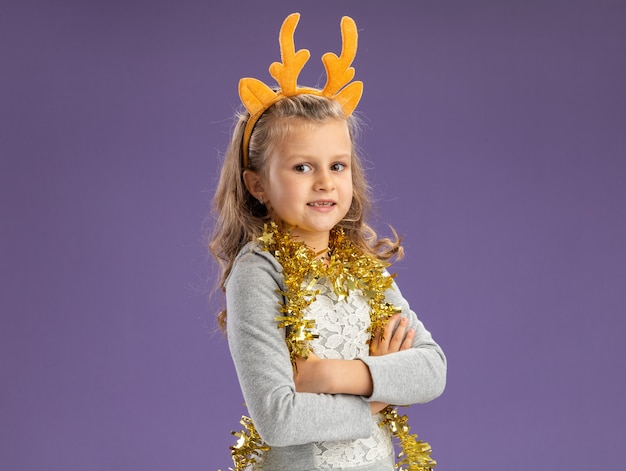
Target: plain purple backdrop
[[496, 141]]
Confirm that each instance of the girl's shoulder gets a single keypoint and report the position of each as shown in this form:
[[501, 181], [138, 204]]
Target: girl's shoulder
[[252, 258]]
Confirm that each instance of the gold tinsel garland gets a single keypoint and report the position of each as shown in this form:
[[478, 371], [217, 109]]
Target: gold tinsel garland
[[347, 268]]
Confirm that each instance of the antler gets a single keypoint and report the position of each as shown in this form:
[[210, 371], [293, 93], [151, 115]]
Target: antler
[[287, 72], [257, 97], [339, 72], [254, 94]]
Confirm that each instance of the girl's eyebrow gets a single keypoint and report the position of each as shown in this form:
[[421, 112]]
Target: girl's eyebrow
[[297, 156], [339, 153]]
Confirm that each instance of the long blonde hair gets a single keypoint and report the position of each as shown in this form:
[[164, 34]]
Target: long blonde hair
[[240, 217]]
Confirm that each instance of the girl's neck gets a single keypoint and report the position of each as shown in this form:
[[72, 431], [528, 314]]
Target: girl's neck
[[317, 242]]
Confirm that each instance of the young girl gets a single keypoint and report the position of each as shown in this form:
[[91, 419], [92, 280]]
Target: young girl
[[321, 338]]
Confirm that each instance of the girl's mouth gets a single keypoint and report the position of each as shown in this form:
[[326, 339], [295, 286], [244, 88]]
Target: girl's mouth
[[321, 204]]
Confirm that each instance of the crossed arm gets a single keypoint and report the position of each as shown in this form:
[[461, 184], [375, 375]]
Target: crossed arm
[[286, 413], [331, 376]]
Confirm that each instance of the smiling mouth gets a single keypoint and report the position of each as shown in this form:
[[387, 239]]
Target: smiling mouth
[[321, 204]]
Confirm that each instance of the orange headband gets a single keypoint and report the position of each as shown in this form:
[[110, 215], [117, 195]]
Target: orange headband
[[258, 97]]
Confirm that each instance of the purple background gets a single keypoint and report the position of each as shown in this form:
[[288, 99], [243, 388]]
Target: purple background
[[496, 136]]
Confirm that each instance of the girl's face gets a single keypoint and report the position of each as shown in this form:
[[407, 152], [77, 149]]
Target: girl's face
[[308, 180]]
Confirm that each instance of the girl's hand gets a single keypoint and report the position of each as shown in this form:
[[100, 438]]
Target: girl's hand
[[389, 342], [376, 407], [309, 377]]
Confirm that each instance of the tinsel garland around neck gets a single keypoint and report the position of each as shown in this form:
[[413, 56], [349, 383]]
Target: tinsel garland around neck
[[347, 268]]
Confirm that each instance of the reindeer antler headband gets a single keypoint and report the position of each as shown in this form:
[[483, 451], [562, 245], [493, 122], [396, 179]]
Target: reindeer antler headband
[[258, 97]]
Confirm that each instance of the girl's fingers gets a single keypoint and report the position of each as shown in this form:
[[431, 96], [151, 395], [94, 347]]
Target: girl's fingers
[[382, 343], [387, 338], [375, 344], [390, 341], [408, 340], [398, 336]]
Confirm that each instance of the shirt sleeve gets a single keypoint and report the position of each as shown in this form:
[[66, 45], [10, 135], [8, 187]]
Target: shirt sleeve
[[412, 376], [282, 416]]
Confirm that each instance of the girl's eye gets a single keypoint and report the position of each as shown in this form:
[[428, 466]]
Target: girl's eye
[[338, 167], [301, 168]]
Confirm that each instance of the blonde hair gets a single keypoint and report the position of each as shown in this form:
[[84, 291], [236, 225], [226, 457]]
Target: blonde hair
[[240, 217]]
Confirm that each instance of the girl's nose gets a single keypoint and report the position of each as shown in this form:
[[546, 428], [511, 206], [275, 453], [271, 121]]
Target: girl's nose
[[324, 180]]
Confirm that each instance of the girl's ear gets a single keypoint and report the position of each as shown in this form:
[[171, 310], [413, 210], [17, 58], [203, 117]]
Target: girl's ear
[[253, 183]]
